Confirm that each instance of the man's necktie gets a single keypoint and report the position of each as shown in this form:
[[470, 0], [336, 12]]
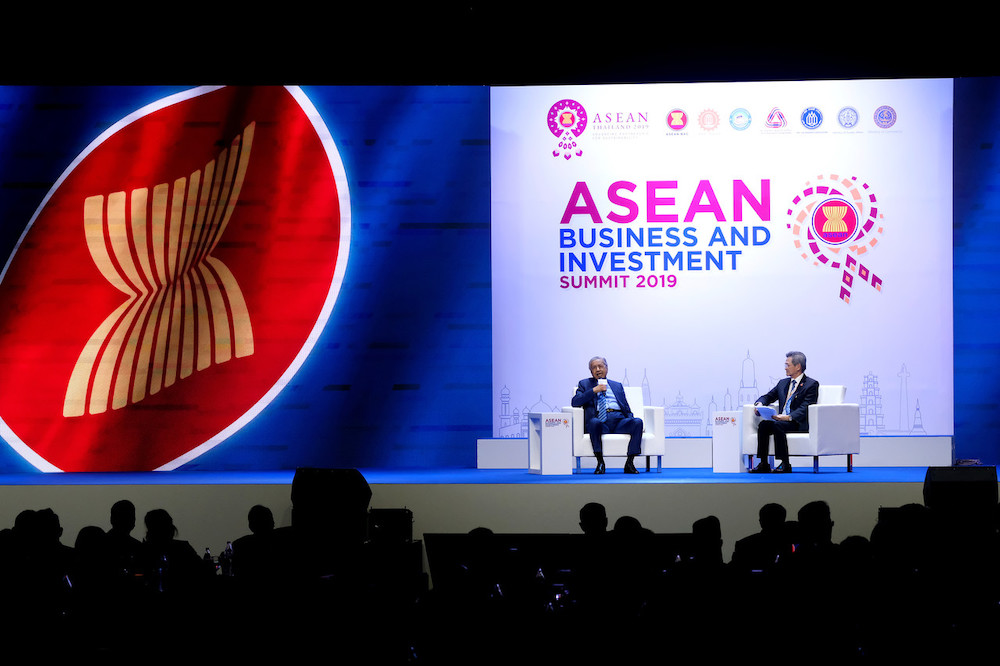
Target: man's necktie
[[602, 406], [788, 400]]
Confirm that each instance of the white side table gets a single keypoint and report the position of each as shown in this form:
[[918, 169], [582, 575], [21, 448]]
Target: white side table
[[550, 443], [727, 449]]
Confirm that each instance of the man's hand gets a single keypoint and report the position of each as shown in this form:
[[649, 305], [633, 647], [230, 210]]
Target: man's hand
[[600, 388], [782, 417]]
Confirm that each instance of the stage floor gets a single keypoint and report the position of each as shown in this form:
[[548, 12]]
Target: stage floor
[[477, 476]]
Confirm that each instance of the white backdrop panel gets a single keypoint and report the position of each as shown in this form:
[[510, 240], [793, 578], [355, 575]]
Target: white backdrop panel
[[694, 256]]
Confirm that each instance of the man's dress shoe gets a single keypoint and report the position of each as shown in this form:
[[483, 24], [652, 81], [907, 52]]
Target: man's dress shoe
[[599, 469], [762, 468]]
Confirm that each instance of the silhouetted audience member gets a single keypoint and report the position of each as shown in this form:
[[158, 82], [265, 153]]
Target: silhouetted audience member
[[123, 549], [701, 574], [253, 555], [815, 550], [53, 559], [707, 533], [900, 540], [630, 568], [590, 586], [816, 565], [329, 526], [38, 566], [169, 564], [760, 552], [93, 566]]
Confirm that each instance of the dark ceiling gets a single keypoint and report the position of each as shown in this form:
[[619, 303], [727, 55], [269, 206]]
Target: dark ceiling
[[484, 44]]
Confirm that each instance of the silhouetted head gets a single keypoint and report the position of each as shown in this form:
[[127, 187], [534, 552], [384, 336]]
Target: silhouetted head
[[260, 519], [707, 534], [89, 539], [815, 523], [772, 516], [49, 528], [159, 526], [593, 518], [123, 516], [627, 525], [24, 523], [708, 529]]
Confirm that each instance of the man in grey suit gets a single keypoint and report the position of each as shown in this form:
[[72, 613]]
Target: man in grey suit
[[607, 411]]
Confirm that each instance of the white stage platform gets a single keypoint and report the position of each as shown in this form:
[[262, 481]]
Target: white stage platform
[[696, 452]]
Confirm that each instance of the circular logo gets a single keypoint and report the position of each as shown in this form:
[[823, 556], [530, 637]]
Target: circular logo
[[775, 119], [567, 115], [739, 119], [848, 117], [812, 118], [172, 281], [708, 120], [677, 119], [885, 116], [835, 221], [567, 119]]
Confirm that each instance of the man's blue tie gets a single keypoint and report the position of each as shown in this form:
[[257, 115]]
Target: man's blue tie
[[602, 406], [788, 400]]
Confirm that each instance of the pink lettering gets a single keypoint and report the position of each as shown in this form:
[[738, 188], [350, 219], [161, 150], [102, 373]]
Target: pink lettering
[[581, 191], [618, 200], [653, 201]]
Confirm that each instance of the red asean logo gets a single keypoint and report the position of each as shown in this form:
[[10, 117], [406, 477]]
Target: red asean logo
[[172, 281], [835, 221]]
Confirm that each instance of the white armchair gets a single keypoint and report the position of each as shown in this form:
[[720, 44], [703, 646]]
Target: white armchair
[[834, 429], [653, 442]]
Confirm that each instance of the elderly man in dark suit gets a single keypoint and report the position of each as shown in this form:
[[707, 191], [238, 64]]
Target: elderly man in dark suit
[[607, 411], [794, 395]]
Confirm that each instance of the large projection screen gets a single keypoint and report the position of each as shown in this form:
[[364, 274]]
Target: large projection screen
[[695, 233]]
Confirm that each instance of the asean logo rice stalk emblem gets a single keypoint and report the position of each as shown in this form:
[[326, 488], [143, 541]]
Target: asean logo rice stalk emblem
[[836, 222], [173, 280], [567, 119], [677, 119]]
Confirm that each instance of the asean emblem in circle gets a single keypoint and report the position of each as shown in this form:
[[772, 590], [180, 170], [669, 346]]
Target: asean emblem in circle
[[172, 281], [567, 119], [836, 222], [677, 119]]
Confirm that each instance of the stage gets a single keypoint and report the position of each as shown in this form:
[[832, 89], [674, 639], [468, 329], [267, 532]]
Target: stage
[[210, 508]]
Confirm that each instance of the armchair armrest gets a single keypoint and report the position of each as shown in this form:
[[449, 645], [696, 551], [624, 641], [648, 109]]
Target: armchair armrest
[[652, 421], [836, 428]]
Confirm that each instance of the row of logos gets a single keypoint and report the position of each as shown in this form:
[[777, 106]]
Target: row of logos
[[568, 119], [811, 118]]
